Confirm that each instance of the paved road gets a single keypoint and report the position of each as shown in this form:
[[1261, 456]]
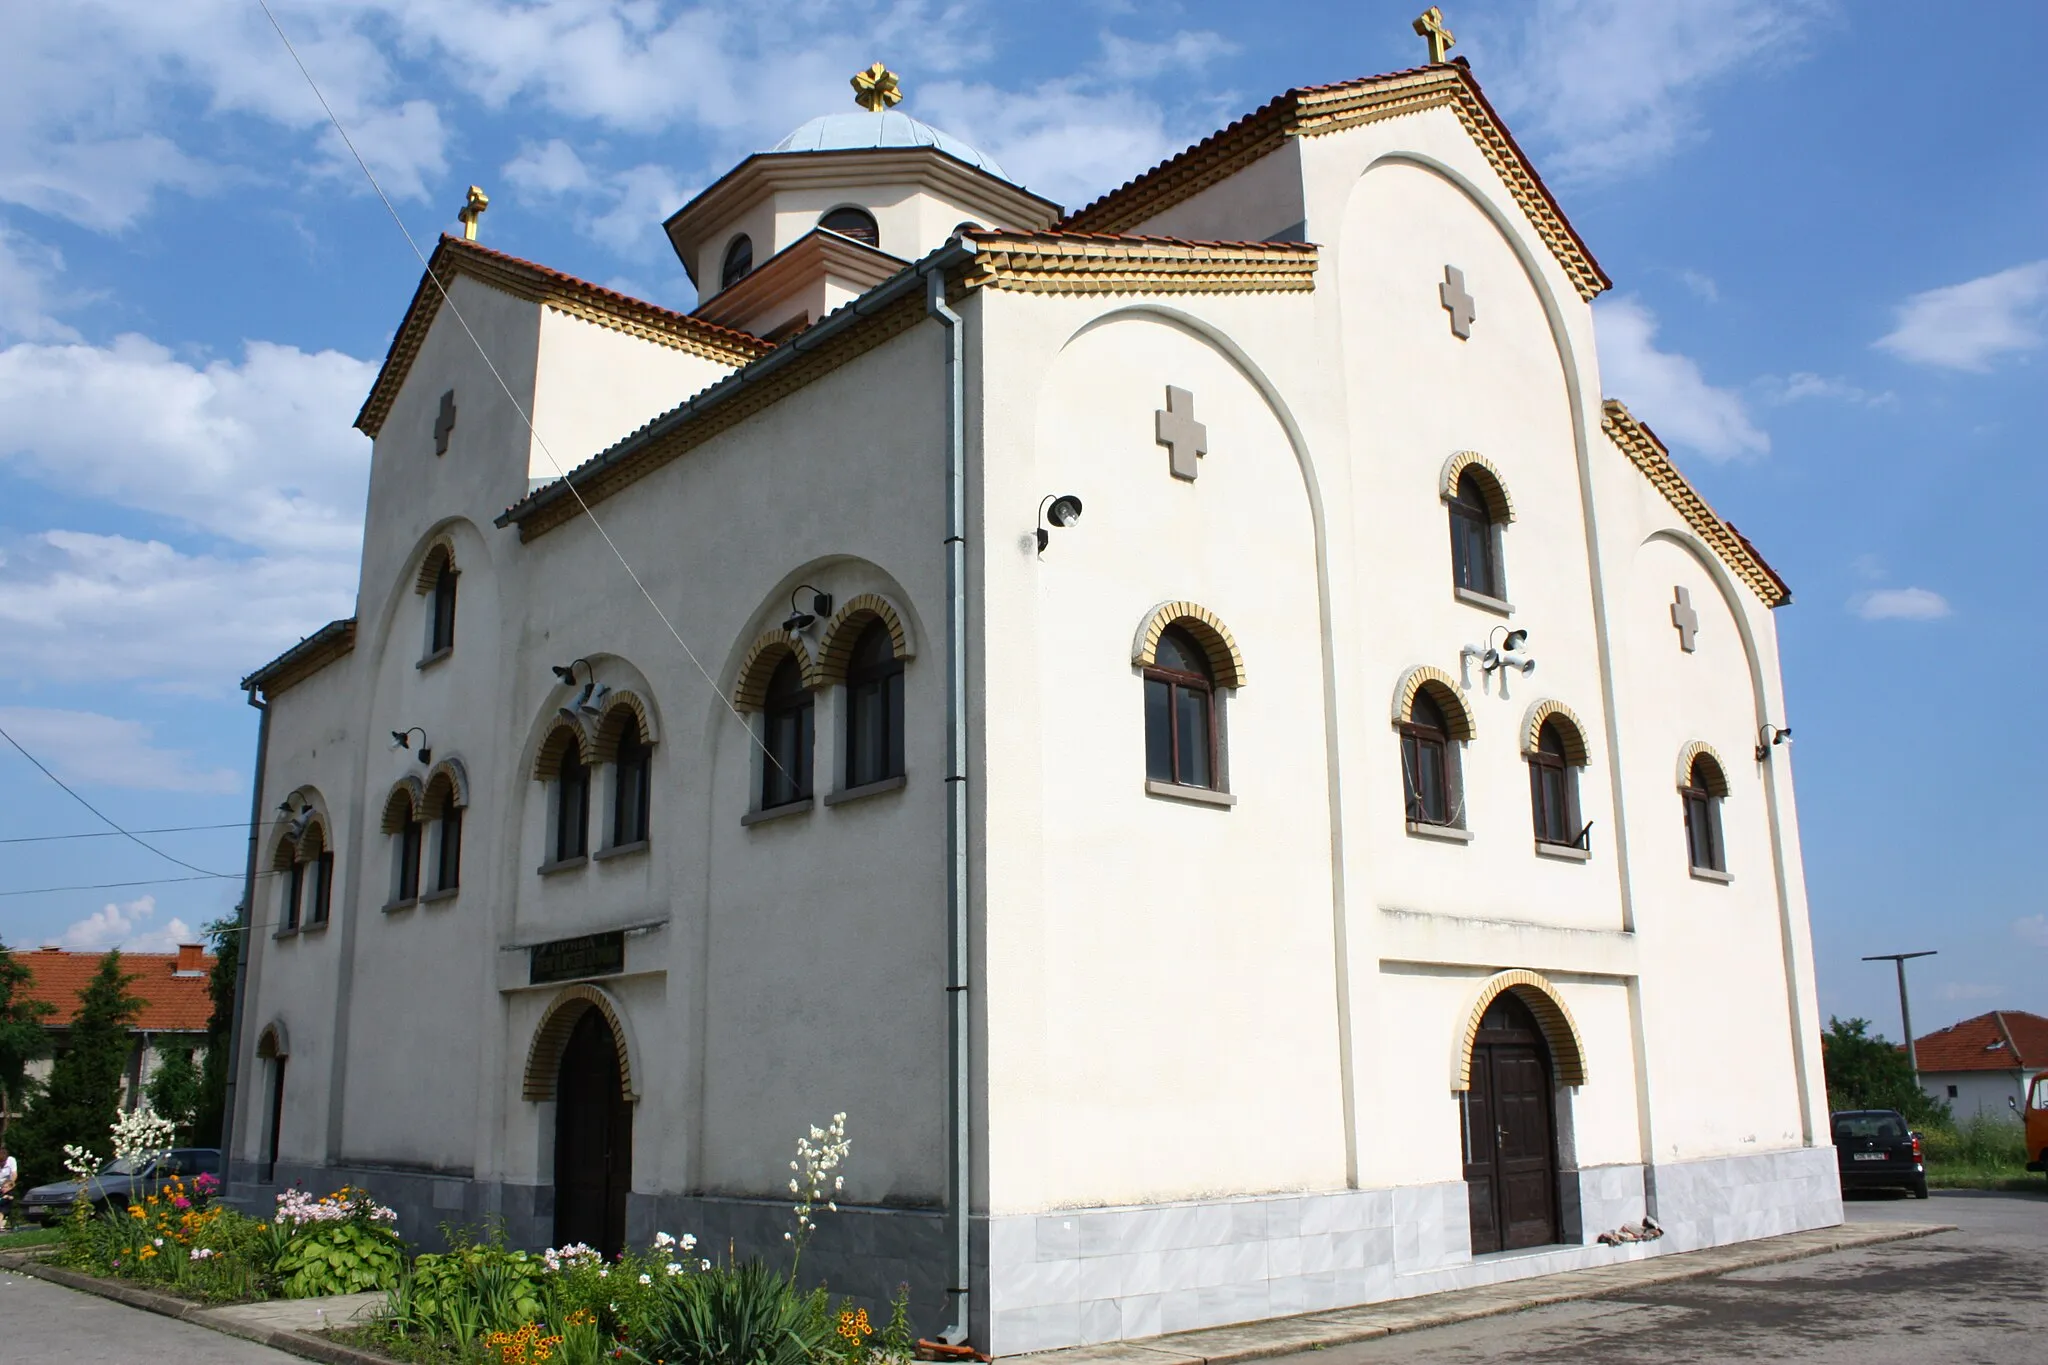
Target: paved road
[[46, 1324], [1977, 1294]]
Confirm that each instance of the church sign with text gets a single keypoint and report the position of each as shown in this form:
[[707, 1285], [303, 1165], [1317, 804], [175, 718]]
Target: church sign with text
[[568, 959]]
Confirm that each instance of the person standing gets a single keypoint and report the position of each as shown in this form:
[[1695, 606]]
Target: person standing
[[9, 1173]]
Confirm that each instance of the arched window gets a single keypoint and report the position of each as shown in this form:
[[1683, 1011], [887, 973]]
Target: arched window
[[405, 851], [631, 781], [441, 608], [852, 222], [1554, 786], [1475, 539], [443, 805], [1180, 713], [1705, 786], [739, 259], [313, 877], [874, 708], [787, 728], [572, 805], [294, 889], [1429, 765]]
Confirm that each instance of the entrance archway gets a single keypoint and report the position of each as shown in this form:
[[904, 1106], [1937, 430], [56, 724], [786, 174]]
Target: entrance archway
[[1510, 1130], [593, 1138]]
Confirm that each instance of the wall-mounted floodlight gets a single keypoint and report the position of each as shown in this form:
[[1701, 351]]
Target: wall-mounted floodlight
[[1065, 511], [1769, 737], [402, 739], [799, 619], [567, 672]]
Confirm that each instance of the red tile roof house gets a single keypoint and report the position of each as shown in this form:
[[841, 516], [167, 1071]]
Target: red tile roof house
[[171, 986], [1978, 1064]]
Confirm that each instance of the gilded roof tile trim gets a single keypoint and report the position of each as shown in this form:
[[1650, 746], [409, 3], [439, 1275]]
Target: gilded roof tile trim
[[633, 458], [1314, 111], [1456, 712], [1226, 661], [1717, 783], [1576, 750], [539, 284], [565, 1011], [1097, 263], [1553, 1016], [305, 658], [1491, 484], [1641, 445], [763, 657], [846, 627]]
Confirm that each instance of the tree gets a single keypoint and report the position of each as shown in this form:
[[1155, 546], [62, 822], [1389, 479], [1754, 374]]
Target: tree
[[226, 935], [1865, 1071], [174, 1091], [23, 1038], [84, 1093]]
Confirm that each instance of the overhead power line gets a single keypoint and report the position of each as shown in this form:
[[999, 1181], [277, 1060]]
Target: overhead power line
[[112, 834], [111, 886], [110, 822]]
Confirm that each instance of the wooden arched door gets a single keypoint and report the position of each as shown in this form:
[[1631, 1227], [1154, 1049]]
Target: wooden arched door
[[593, 1140], [1510, 1132]]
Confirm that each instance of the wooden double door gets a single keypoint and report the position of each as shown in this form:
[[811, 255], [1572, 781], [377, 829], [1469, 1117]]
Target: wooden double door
[[593, 1140], [1510, 1132]]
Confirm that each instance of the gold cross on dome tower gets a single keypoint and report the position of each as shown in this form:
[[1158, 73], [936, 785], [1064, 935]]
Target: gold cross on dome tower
[[472, 209], [876, 88], [1430, 25]]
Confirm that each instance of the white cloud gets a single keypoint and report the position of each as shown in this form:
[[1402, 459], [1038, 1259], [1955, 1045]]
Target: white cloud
[[2032, 929], [1701, 285], [123, 926], [1126, 59], [28, 271], [88, 749], [1965, 326], [1666, 389], [259, 453], [1900, 604], [1803, 384], [550, 169], [1614, 86]]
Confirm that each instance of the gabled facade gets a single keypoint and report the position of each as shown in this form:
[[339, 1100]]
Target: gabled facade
[[1985, 1065], [1296, 881]]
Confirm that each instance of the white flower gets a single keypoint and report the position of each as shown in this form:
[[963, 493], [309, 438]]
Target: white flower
[[673, 1268], [647, 1279], [689, 1241], [604, 1272], [663, 1240], [159, 1241]]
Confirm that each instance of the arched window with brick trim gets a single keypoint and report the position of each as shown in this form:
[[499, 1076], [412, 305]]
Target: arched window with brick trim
[[1180, 713], [1706, 786], [788, 727], [1554, 785], [874, 708], [444, 811], [402, 825], [632, 783]]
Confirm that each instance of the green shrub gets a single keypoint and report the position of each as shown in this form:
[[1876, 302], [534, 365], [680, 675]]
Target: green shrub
[[470, 1291], [742, 1315], [338, 1258], [1983, 1141]]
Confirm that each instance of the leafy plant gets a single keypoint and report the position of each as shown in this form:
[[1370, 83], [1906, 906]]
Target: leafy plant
[[740, 1315], [1865, 1071], [339, 1258], [83, 1094]]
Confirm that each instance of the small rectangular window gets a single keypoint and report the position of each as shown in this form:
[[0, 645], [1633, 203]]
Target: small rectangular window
[[294, 896], [409, 861], [443, 636], [448, 857], [323, 888]]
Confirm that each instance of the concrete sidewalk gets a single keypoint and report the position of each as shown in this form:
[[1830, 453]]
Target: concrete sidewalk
[[1316, 1331]]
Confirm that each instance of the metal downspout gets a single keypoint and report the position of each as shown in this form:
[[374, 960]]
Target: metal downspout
[[246, 928], [958, 1096]]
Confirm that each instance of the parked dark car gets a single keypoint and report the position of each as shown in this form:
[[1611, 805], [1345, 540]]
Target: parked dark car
[[1875, 1150], [123, 1181]]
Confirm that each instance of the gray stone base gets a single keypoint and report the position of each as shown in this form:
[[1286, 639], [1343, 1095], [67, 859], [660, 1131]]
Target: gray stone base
[[864, 1252], [1086, 1276]]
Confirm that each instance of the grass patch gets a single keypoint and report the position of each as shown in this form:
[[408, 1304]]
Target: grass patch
[[415, 1349], [18, 1238], [1982, 1153], [2017, 1178]]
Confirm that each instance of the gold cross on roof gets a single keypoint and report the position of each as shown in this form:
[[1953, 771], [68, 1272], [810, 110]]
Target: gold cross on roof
[[1430, 25], [472, 209], [876, 88]]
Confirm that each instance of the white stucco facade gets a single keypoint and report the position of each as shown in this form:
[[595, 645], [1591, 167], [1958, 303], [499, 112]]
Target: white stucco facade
[[1217, 1035]]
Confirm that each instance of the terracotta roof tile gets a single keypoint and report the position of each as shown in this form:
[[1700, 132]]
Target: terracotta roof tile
[[172, 1003], [2003, 1040]]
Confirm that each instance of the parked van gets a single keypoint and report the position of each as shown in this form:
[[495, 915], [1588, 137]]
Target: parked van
[[2037, 1124]]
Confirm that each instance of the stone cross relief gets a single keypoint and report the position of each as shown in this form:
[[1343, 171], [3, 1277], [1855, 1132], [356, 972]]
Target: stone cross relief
[[444, 423], [1685, 618], [1180, 433], [1462, 307]]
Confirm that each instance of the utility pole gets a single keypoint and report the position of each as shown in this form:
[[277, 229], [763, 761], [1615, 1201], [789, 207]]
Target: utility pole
[[1905, 1010]]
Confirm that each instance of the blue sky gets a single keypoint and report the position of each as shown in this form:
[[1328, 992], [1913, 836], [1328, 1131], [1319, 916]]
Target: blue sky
[[1824, 221]]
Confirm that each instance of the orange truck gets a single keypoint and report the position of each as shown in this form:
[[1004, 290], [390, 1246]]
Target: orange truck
[[2037, 1124]]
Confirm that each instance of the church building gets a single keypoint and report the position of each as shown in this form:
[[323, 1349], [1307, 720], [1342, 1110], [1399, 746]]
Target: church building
[[1196, 722]]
